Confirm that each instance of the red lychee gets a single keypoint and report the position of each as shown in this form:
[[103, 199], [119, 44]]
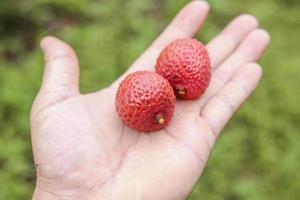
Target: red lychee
[[185, 64], [145, 101]]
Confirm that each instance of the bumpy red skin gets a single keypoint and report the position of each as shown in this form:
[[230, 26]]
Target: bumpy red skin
[[185, 63], [141, 97]]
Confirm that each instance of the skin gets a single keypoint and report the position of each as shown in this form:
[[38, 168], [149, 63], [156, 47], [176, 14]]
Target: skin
[[81, 148]]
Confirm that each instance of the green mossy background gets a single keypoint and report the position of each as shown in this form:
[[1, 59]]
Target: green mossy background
[[258, 154]]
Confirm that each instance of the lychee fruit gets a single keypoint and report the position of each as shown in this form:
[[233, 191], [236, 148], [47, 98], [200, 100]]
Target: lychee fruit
[[185, 63], [145, 101]]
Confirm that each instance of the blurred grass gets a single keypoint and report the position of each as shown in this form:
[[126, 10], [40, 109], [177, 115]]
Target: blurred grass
[[258, 155]]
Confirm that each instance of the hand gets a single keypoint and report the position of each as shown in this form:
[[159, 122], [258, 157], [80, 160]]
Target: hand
[[81, 148]]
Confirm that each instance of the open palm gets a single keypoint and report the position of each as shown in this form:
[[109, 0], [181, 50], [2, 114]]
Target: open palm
[[82, 149]]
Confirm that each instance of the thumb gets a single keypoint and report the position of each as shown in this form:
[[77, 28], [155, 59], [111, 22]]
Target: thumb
[[61, 73]]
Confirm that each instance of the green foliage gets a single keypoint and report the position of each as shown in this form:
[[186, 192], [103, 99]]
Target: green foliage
[[257, 157]]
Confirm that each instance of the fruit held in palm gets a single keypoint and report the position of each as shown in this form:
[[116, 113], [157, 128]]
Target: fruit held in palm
[[185, 64], [145, 101]]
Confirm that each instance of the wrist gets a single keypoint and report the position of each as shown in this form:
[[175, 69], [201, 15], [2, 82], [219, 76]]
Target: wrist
[[52, 191], [43, 195]]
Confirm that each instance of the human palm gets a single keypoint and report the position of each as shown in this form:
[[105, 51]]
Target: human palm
[[82, 149]]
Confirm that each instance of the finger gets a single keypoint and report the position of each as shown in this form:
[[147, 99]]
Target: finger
[[221, 107], [249, 50], [185, 25], [227, 41], [61, 73]]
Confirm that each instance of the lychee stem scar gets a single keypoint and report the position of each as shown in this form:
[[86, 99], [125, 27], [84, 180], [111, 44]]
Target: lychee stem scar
[[180, 90], [159, 119]]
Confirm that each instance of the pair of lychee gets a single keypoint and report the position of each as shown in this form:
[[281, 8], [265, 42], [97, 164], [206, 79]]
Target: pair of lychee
[[145, 101]]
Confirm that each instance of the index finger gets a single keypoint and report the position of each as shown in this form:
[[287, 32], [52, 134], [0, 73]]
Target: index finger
[[185, 25]]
